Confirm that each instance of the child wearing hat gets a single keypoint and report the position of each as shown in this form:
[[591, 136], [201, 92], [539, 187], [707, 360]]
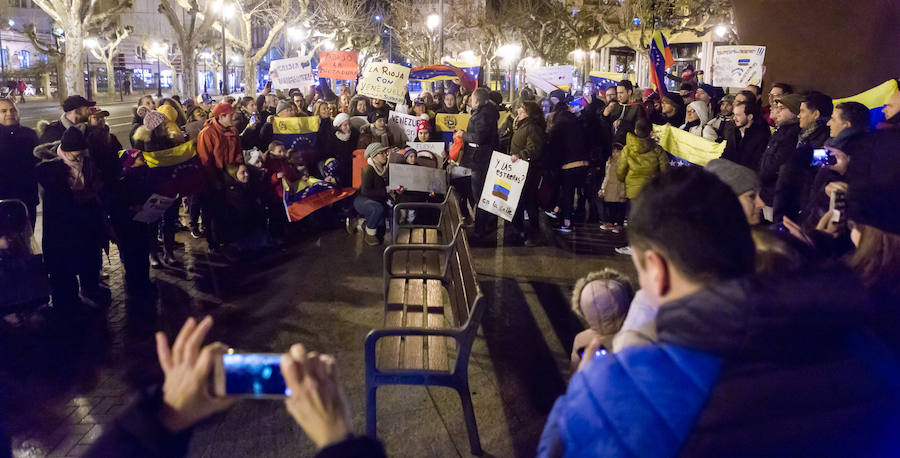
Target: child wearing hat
[[601, 299]]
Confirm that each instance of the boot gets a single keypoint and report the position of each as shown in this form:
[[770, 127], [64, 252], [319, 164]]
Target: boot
[[371, 237], [155, 262]]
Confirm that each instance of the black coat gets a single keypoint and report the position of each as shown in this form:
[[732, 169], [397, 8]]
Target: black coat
[[802, 375], [53, 132], [565, 141], [780, 148], [628, 117], [747, 148], [342, 152], [481, 136], [72, 220], [796, 175], [249, 137], [17, 163], [817, 203]]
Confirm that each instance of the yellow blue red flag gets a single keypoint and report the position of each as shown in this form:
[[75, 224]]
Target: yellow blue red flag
[[660, 59]]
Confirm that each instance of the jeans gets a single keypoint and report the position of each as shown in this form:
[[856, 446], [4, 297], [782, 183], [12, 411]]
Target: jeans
[[372, 210], [194, 209], [570, 180]]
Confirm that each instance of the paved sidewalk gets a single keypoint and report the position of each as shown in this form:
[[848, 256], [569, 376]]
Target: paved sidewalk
[[63, 385]]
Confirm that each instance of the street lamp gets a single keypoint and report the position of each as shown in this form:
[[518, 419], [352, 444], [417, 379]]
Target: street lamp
[[89, 43], [433, 21], [158, 49], [509, 53], [721, 30], [205, 56]]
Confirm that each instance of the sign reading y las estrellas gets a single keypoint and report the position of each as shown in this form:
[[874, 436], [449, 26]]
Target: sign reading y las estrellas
[[291, 73], [503, 185], [385, 81]]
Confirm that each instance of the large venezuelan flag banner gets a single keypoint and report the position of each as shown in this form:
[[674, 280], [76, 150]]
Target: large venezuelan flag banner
[[606, 79], [446, 124], [660, 60], [296, 133], [302, 198], [175, 170], [685, 148], [874, 99]]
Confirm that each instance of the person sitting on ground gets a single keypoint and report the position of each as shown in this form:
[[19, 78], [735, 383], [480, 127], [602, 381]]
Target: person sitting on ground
[[601, 300], [696, 117], [745, 185], [340, 146], [371, 202], [733, 348]]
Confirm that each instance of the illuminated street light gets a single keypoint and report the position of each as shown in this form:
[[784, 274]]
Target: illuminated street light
[[11, 22], [228, 10], [90, 43], [467, 56], [296, 33], [378, 17], [509, 52], [721, 30], [433, 21], [578, 53]]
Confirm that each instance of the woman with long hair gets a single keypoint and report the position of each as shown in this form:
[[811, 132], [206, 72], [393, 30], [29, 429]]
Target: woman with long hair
[[527, 143]]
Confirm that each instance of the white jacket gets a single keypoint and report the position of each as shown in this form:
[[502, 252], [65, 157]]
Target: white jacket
[[702, 129]]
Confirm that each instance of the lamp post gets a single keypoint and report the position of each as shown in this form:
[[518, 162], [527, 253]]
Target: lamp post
[[205, 56], [509, 53], [432, 22], [158, 49], [89, 43]]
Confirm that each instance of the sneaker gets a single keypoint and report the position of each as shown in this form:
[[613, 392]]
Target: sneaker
[[625, 250], [350, 225], [371, 240], [551, 214], [565, 229], [616, 230], [607, 227], [195, 232]]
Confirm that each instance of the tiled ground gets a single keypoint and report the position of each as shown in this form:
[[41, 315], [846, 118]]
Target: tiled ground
[[61, 382]]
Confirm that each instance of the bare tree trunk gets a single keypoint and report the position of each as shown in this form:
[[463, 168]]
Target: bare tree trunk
[[249, 76], [61, 88], [74, 65], [110, 78], [189, 72]]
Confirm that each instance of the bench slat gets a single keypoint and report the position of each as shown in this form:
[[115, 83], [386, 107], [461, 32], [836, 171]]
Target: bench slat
[[400, 260], [437, 345], [414, 346], [389, 353], [432, 258]]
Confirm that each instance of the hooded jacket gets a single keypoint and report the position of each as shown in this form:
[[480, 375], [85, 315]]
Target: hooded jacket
[[701, 129], [218, 147], [745, 367], [640, 160], [54, 131], [528, 141]]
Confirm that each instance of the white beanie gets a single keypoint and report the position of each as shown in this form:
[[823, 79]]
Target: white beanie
[[702, 110], [340, 119]]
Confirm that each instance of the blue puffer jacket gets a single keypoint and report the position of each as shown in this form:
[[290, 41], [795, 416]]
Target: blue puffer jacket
[[782, 366]]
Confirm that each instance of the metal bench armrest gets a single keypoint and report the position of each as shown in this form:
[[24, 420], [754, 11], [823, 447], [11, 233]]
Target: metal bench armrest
[[395, 217]]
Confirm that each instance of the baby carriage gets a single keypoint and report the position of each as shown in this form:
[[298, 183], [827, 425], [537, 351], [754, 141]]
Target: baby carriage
[[23, 280]]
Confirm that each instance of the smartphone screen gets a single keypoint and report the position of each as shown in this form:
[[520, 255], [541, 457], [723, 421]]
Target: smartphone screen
[[820, 157], [253, 375]]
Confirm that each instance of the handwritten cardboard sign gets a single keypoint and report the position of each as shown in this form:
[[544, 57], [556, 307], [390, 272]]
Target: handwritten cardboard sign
[[381, 80], [503, 185], [432, 147], [341, 65], [291, 73], [738, 66], [417, 178], [406, 123]]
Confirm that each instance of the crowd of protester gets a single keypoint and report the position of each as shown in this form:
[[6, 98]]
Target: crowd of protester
[[763, 279]]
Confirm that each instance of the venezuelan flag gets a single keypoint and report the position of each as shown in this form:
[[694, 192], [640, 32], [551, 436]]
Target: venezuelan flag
[[874, 99], [606, 79], [446, 124], [442, 73], [660, 59], [685, 148], [175, 170], [501, 189], [302, 198], [296, 133]]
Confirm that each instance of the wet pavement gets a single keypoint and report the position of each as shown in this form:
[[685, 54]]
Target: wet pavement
[[63, 380]]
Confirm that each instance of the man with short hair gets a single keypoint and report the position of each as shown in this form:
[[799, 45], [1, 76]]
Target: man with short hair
[[778, 90], [782, 145], [17, 160], [481, 139], [891, 112], [740, 360], [76, 111], [624, 120], [796, 175], [746, 142]]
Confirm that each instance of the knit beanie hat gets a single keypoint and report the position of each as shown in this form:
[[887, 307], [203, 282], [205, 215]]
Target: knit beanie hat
[[154, 119], [792, 102], [423, 125], [340, 119], [284, 105], [73, 140], [169, 111], [739, 178], [374, 148]]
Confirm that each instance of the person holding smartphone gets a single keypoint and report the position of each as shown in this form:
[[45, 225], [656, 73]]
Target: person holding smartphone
[[161, 421]]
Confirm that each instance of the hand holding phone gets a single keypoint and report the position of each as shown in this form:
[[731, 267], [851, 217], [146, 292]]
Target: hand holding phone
[[249, 375], [821, 157], [316, 402]]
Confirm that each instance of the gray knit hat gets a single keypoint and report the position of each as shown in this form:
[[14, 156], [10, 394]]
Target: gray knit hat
[[739, 178], [374, 148]]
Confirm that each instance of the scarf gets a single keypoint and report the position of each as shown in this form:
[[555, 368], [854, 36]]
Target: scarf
[[342, 136], [76, 168], [841, 140], [691, 125], [380, 169]]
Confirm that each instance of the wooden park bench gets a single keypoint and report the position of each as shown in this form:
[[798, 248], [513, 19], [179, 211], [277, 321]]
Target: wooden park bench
[[443, 232], [433, 305]]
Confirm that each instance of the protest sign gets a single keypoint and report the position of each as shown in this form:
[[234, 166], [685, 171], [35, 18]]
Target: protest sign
[[503, 185], [432, 147], [381, 80], [341, 65], [153, 209], [738, 66], [549, 79], [417, 178], [406, 123], [291, 73], [446, 124]]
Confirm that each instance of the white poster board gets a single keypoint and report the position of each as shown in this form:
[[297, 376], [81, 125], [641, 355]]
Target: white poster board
[[406, 124], [503, 185], [417, 178], [549, 79], [433, 147], [738, 66], [154, 208], [381, 80], [291, 73]]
